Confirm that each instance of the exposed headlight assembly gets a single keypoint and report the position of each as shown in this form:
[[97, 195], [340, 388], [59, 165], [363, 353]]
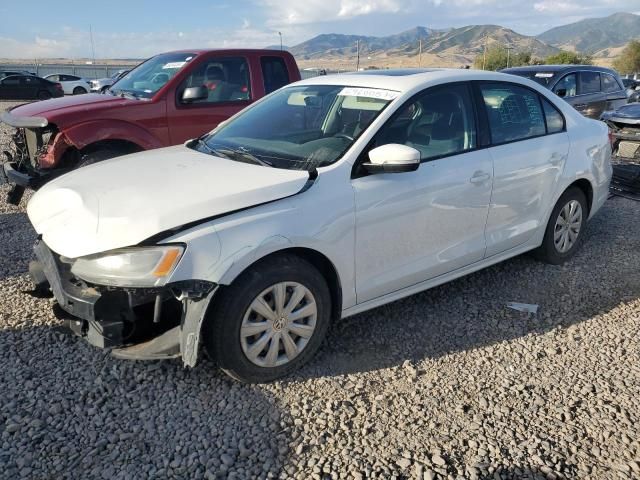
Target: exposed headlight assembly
[[130, 267]]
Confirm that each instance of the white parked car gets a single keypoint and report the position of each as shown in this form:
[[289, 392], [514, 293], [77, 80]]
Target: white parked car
[[327, 198], [71, 84]]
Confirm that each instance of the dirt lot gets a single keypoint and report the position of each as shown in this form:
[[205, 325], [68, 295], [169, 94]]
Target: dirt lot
[[448, 383]]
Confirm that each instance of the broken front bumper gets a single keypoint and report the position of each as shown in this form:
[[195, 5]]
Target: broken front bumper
[[625, 161], [140, 323]]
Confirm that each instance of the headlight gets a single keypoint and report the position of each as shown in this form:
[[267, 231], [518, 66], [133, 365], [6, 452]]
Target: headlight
[[130, 267]]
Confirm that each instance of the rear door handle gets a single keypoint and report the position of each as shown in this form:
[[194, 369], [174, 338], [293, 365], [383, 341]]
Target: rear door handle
[[480, 177]]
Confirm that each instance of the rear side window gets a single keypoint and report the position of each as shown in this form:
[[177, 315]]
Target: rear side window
[[589, 82], [274, 72], [515, 113], [53, 78], [555, 120], [609, 83], [226, 80], [11, 81]]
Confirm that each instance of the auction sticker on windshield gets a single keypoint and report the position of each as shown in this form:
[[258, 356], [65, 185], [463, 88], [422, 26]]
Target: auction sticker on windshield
[[369, 93], [174, 65]]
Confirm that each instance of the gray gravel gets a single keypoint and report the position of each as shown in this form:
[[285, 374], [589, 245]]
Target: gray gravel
[[446, 384]]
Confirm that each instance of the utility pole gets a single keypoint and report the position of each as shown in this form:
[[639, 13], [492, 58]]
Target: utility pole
[[357, 55], [93, 51], [508, 55], [484, 54], [420, 54], [280, 33]]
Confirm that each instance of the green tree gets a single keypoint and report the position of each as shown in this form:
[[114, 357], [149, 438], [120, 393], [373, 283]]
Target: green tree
[[568, 58], [629, 59], [498, 57]]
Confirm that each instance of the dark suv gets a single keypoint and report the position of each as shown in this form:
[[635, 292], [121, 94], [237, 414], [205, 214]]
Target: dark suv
[[590, 90]]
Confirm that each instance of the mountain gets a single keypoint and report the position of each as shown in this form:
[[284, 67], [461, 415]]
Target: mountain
[[470, 40], [594, 34], [334, 44]]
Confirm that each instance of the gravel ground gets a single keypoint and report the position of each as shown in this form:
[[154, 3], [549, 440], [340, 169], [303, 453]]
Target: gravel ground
[[448, 384]]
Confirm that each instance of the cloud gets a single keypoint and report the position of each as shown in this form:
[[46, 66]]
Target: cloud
[[313, 11]]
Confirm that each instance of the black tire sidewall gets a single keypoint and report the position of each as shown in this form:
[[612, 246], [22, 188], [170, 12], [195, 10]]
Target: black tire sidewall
[[44, 95], [547, 250], [98, 156], [222, 328], [79, 91]]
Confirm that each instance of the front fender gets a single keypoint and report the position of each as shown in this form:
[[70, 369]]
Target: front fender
[[86, 133]]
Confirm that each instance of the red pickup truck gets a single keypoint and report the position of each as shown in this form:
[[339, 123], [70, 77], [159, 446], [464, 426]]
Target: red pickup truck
[[164, 101]]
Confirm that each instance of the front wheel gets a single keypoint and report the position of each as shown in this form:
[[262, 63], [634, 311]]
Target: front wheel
[[79, 91], [270, 321], [565, 229]]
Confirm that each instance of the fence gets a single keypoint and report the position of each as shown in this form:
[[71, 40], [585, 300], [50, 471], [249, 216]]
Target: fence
[[85, 71]]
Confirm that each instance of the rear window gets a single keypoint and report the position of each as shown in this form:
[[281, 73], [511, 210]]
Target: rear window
[[274, 72], [515, 113], [589, 82]]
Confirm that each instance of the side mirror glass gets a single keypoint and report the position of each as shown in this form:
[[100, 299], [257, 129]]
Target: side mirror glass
[[192, 94], [561, 92], [392, 158]]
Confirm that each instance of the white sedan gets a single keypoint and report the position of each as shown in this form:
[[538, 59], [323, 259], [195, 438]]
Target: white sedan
[[329, 197], [71, 84]]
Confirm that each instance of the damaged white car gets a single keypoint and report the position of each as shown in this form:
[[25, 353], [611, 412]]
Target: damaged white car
[[327, 198]]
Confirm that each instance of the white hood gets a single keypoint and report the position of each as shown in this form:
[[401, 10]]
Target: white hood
[[121, 202]]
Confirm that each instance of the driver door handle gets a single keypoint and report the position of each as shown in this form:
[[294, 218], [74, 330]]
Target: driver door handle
[[479, 177]]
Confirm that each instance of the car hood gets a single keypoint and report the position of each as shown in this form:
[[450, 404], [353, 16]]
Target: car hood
[[629, 113], [124, 201], [49, 109]]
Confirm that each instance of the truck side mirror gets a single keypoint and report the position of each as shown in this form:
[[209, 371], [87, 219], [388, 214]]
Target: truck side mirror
[[191, 94], [561, 92]]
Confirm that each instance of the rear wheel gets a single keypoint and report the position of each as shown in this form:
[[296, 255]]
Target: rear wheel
[[565, 229], [270, 321], [44, 95], [79, 91], [104, 89]]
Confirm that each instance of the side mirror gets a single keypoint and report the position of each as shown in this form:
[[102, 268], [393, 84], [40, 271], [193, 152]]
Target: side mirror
[[192, 94], [392, 158], [561, 92]]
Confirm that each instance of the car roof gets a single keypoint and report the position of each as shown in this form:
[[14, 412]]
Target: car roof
[[556, 68], [239, 51], [411, 79]]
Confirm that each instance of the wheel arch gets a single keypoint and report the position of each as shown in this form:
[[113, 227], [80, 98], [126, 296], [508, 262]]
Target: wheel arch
[[585, 186]]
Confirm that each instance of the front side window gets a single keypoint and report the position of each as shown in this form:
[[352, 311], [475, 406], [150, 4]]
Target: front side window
[[226, 80], [438, 123], [274, 72], [53, 78], [515, 113], [11, 81], [589, 82], [147, 78], [567, 86], [609, 83], [298, 128]]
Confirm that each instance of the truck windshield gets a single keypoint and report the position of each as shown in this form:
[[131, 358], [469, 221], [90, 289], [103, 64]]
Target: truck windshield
[[299, 127], [543, 78], [147, 78]]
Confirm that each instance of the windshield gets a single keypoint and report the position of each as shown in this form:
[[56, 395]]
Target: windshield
[[149, 77], [543, 78], [298, 128]]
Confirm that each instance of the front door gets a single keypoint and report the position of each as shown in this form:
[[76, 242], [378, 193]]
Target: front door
[[411, 227], [228, 85]]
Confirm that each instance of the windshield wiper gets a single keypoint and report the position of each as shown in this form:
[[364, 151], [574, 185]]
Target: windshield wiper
[[244, 154]]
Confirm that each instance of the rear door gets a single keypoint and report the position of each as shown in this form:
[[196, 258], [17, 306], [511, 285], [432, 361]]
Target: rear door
[[228, 82], [529, 147], [274, 73], [591, 101], [615, 92]]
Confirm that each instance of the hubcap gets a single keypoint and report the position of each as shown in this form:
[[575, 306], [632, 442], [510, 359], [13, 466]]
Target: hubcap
[[278, 324], [568, 226]]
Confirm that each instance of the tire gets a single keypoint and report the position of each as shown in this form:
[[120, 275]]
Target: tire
[[104, 89], [44, 95], [554, 249], [99, 155], [233, 312], [79, 91]]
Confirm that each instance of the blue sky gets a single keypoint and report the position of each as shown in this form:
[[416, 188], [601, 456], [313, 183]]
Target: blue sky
[[140, 29]]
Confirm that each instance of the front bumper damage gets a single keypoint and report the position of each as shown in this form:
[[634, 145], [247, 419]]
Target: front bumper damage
[[35, 149], [136, 323], [625, 160]]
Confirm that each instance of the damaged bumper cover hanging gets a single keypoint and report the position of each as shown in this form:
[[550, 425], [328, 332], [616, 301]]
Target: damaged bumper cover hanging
[[170, 317]]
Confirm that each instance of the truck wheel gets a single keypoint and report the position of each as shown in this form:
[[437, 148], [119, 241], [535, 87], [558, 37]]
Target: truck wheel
[[270, 321], [44, 95], [99, 155], [79, 91]]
